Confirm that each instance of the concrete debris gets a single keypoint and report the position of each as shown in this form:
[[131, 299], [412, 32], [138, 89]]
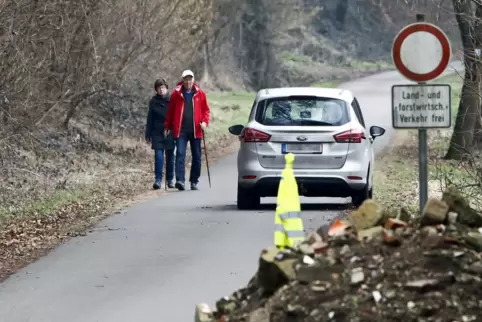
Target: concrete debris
[[375, 265], [435, 212]]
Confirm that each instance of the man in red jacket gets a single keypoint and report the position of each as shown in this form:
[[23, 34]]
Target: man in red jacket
[[187, 117]]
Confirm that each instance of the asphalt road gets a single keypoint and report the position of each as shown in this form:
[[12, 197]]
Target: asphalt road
[[157, 259]]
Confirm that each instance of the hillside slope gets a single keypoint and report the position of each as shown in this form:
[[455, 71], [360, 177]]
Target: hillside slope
[[292, 42]]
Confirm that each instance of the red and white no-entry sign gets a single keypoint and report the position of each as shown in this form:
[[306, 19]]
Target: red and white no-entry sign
[[421, 51]]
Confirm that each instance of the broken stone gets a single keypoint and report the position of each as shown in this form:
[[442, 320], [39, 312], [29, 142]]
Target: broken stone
[[390, 238], [323, 232], [452, 217], [331, 257], [203, 313], [458, 204], [296, 310], [475, 268], [458, 254], [308, 260], [313, 237], [386, 215], [319, 247], [393, 223], [273, 273], [474, 240], [404, 215], [357, 275], [427, 285], [320, 286], [390, 294], [435, 212], [441, 228], [368, 215], [317, 272], [226, 305], [367, 235], [428, 231], [345, 250], [338, 228], [399, 232], [377, 296], [410, 305], [431, 237], [307, 249]]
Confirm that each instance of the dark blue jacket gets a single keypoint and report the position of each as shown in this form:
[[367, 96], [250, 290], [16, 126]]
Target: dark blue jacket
[[155, 123]]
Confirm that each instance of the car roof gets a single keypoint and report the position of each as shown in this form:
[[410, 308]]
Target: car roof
[[338, 93]]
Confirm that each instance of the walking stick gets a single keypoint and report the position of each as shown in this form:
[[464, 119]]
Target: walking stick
[[165, 169], [206, 156]]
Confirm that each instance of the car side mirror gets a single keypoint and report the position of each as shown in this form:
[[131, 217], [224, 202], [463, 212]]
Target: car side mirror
[[236, 129], [376, 131]]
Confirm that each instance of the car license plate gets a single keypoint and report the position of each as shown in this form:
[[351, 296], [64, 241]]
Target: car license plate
[[300, 148]]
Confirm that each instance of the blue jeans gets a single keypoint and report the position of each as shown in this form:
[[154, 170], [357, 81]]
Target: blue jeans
[[181, 147], [159, 164]]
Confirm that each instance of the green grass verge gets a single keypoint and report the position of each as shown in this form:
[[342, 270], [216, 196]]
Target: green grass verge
[[368, 65], [41, 208], [327, 84], [227, 108]]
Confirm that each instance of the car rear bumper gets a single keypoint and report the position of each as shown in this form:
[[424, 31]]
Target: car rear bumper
[[307, 186], [326, 183]]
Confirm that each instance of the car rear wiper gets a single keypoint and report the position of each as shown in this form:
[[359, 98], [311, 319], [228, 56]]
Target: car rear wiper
[[314, 122]]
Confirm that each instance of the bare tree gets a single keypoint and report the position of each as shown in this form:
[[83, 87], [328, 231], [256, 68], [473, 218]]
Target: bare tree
[[462, 137], [59, 54]]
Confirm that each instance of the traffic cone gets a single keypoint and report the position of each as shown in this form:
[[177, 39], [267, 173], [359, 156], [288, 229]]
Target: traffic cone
[[288, 223]]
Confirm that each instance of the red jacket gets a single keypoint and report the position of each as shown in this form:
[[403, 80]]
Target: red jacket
[[175, 111]]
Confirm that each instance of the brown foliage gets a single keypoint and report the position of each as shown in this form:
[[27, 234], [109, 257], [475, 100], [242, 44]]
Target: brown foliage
[[55, 54]]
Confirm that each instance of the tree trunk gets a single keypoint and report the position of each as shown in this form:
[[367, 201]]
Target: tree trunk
[[340, 13], [477, 141], [462, 137], [205, 78]]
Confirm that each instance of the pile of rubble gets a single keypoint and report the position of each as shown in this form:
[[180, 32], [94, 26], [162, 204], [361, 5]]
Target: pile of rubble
[[375, 265]]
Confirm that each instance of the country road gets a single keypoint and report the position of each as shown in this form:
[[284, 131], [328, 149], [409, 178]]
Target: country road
[[156, 260]]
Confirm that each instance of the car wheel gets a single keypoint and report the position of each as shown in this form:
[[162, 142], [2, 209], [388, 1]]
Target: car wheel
[[247, 199], [359, 196]]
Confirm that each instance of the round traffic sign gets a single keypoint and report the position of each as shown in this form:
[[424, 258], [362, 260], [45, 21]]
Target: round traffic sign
[[421, 51]]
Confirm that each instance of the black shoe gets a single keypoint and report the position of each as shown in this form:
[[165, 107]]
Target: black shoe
[[156, 185], [171, 185], [194, 186], [180, 186]]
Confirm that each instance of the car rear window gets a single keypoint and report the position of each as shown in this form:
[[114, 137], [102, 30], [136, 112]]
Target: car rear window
[[302, 110]]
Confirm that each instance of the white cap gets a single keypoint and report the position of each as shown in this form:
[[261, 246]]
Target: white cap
[[186, 73]]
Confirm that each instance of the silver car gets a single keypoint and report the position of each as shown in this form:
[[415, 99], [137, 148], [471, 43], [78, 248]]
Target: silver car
[[323, 127]]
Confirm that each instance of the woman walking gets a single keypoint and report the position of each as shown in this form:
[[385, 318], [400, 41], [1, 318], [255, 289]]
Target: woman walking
[[162, 145]]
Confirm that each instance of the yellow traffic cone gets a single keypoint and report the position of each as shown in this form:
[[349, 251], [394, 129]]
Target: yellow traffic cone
[[288, 224]]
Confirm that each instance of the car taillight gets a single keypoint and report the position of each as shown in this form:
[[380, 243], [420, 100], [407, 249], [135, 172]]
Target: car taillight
[[252, 135], [350, 136]]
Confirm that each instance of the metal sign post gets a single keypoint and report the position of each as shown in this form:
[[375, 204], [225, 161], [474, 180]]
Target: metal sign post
[[421, 52]]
